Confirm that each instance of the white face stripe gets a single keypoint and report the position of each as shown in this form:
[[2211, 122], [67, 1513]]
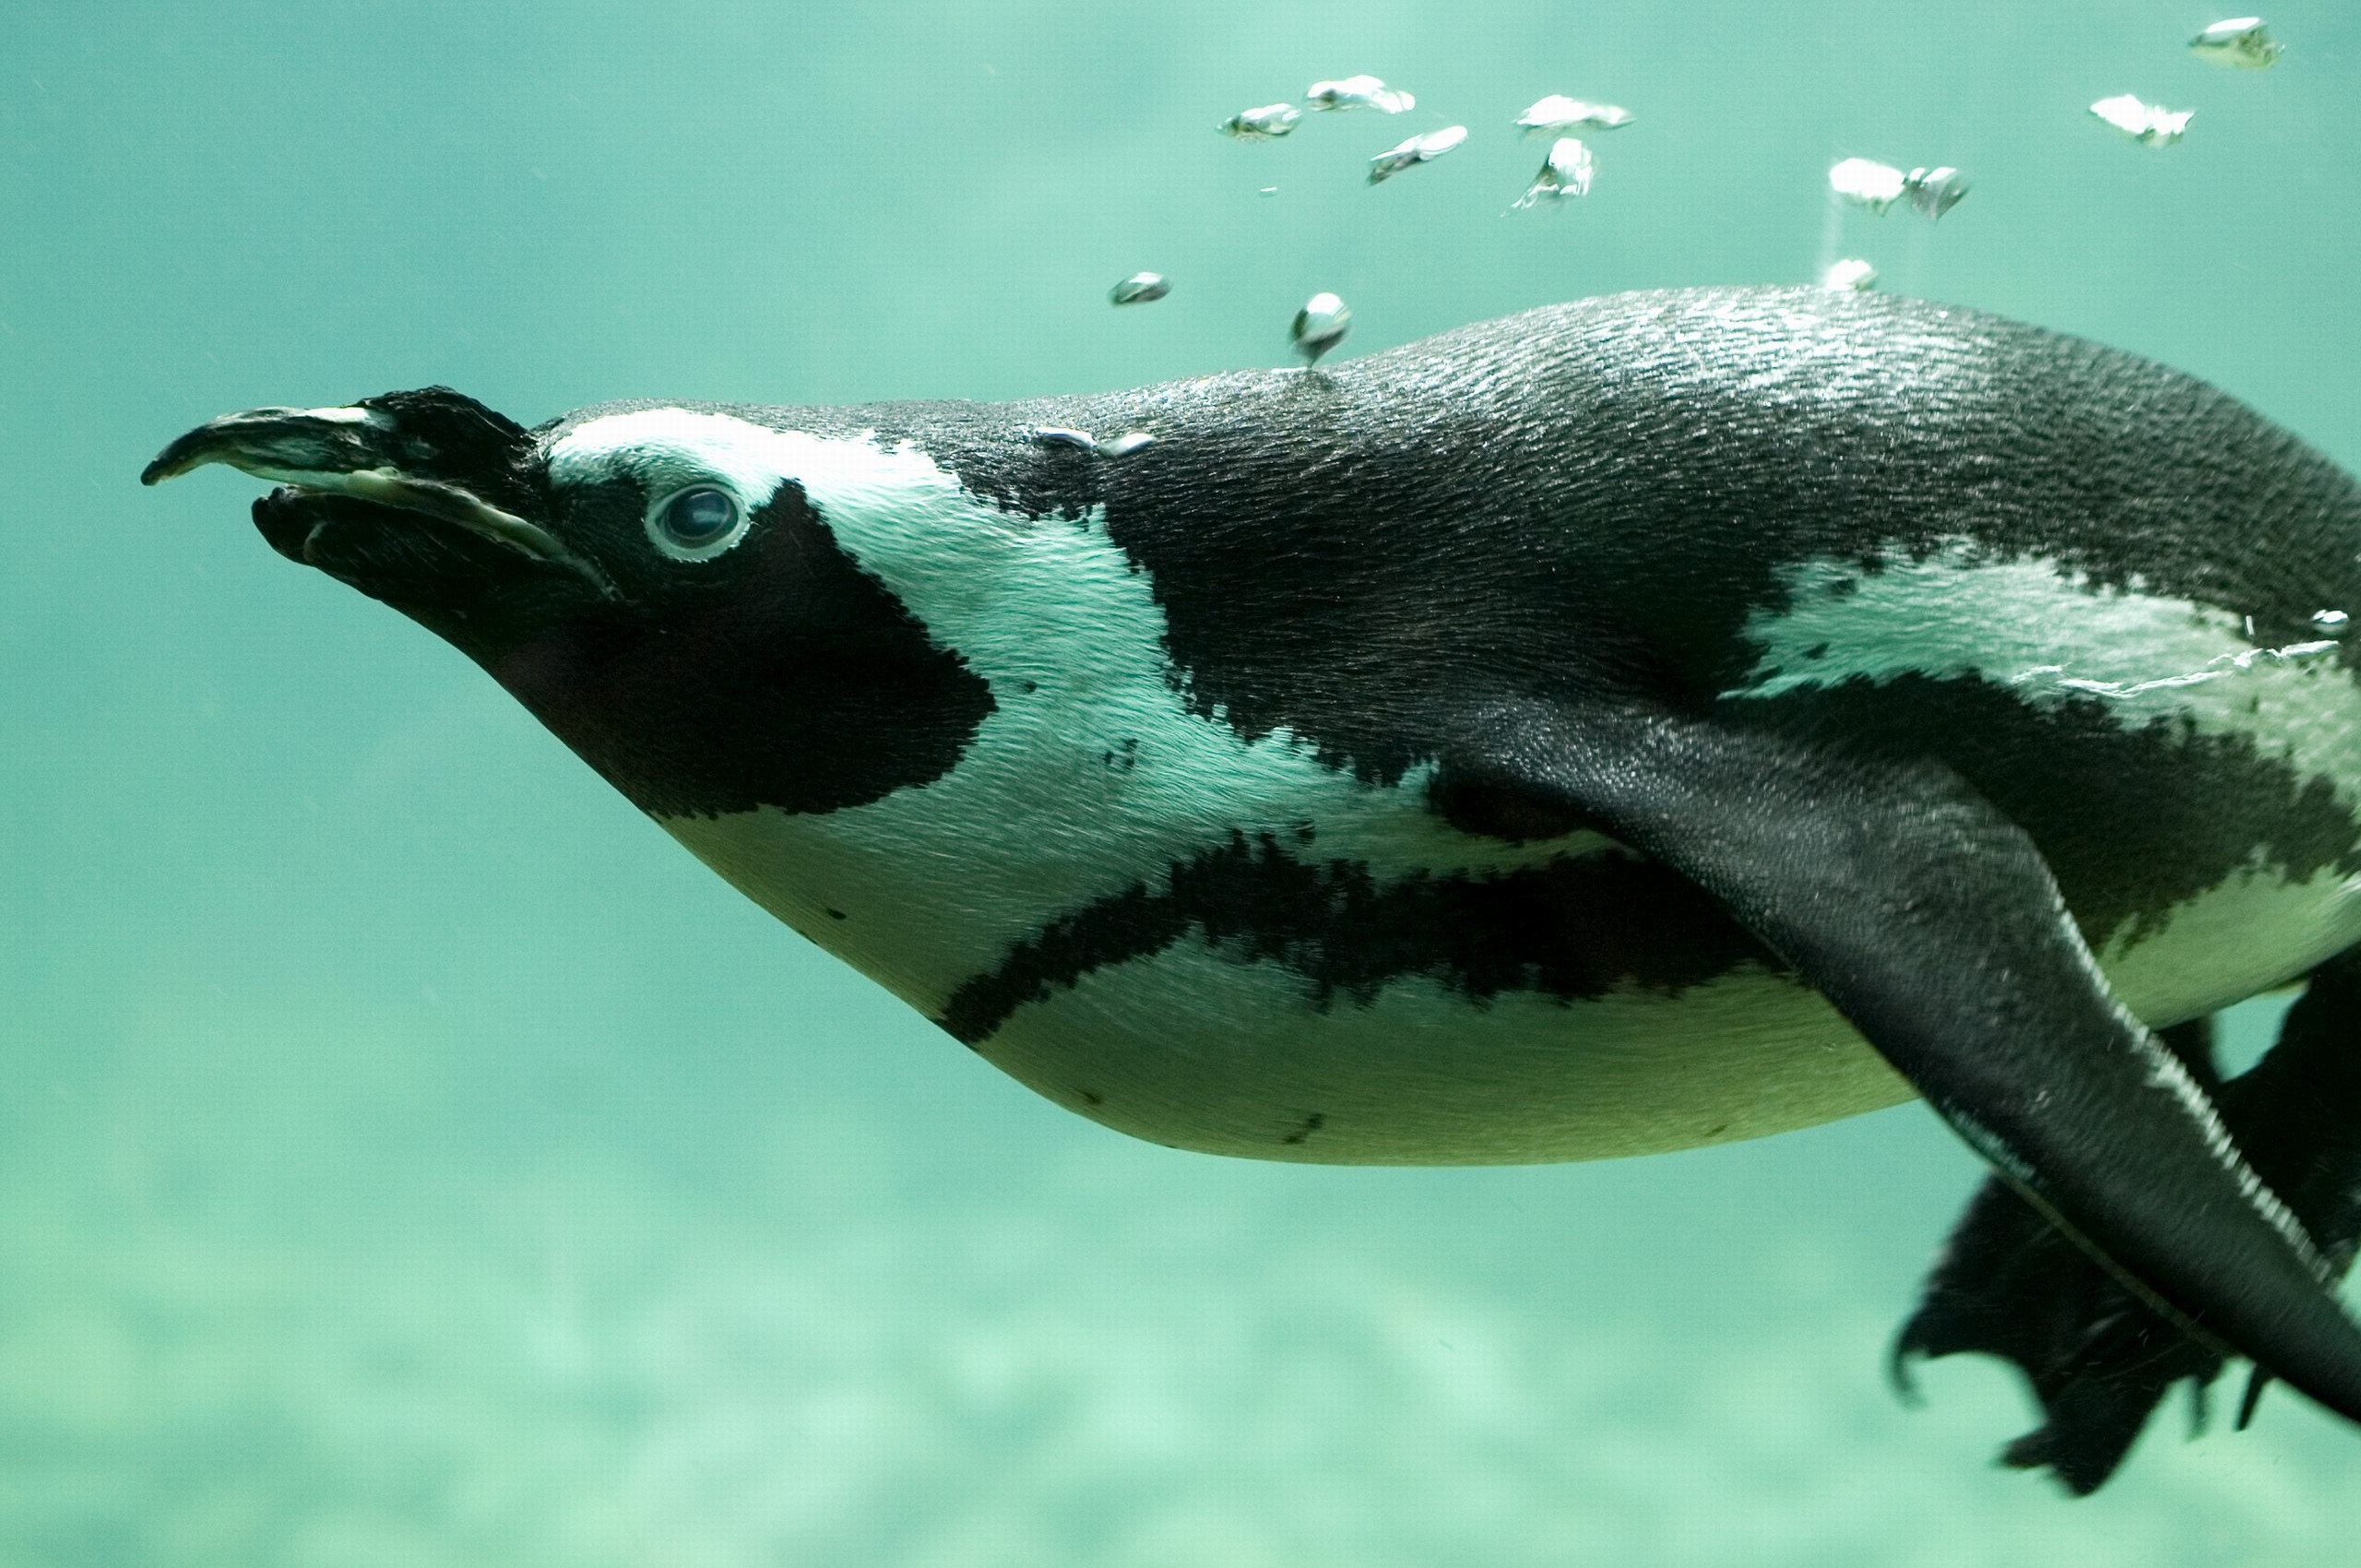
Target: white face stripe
[[671, 449], [1092, 775]]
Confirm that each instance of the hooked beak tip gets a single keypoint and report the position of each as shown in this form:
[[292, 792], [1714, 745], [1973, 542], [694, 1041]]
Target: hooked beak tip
[[184, 454], [266, 441]]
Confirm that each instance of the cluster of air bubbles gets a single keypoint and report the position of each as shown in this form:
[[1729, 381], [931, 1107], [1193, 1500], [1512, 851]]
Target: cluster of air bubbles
[[1567, 170], [1570, 167], [2242, 42], [1865, 183], [1930, 191]]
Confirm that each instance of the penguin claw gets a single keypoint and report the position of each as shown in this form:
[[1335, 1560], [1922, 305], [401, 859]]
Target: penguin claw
[[2257, 1381]]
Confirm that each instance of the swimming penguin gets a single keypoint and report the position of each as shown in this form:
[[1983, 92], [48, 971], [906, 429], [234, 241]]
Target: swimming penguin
[[1635, 724]]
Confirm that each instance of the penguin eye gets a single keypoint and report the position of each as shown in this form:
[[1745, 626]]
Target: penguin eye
[[697, 523]]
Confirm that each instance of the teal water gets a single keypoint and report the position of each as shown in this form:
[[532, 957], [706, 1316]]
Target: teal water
[[409, 1156]]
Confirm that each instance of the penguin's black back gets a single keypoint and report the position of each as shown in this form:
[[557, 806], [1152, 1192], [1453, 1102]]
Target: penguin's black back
[[1622, 482]]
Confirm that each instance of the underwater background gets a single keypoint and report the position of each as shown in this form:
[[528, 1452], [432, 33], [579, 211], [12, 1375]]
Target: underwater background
[[409, 1156]]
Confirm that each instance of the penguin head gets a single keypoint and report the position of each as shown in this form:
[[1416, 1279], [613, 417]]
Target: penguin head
[[663, 595]]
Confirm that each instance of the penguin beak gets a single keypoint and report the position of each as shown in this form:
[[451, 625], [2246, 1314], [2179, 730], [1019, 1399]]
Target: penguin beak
[[384, 461], [351, 452]]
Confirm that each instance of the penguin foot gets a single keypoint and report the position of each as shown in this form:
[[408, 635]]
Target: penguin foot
[[2099, 1359]]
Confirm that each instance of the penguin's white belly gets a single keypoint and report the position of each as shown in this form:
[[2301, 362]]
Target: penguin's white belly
[[2252, 934], [1197, 1049], [1200, 1045], [1193, 1049]]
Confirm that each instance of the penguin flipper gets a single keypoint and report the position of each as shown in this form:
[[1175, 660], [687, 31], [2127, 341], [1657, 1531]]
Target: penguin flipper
[[1931, 923], [2098, 1359]]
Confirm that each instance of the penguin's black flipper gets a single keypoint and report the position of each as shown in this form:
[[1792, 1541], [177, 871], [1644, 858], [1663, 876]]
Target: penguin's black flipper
[[2099, 1359], [1930, 922]]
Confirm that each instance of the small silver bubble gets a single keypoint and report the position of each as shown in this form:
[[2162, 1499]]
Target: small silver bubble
[[1850, 276], [1263, 124], [2332, 623], [1140, 288], [1319, 327], [1065, 438], [2242, 42], [1416, 150], [1567, 171], [1557, 115], [2151, 124], [1865, 182], [1934, 192], [1359, 92]]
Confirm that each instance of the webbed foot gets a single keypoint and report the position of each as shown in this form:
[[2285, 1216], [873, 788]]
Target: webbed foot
[[2099, 1358]]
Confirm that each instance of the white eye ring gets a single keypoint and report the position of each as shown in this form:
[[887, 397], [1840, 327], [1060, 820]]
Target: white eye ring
[[696, 522]]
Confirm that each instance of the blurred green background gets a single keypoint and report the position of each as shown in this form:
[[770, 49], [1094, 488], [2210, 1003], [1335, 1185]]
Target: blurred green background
[[408, 1157]]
